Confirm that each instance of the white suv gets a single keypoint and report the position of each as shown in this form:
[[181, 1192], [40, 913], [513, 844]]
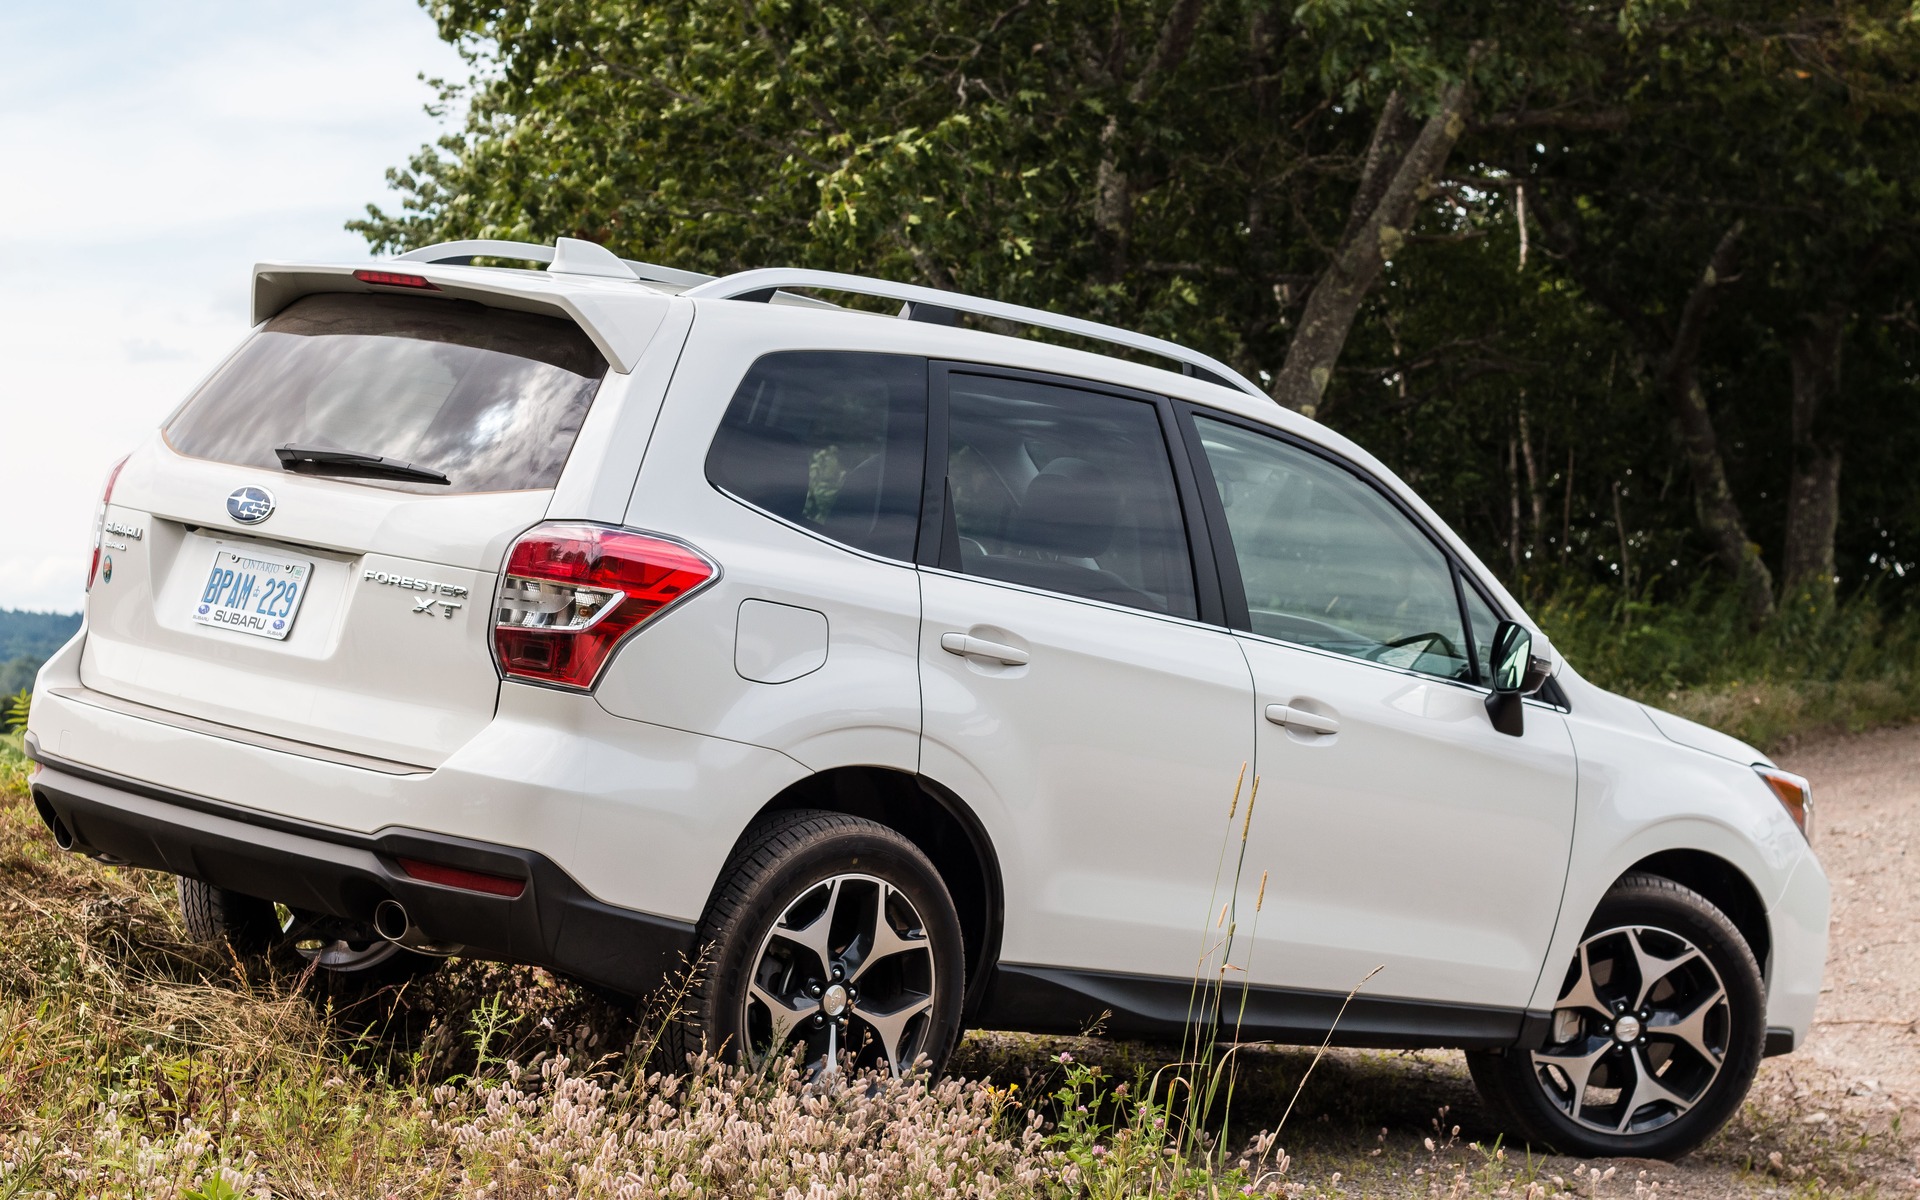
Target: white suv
[[588, 616]]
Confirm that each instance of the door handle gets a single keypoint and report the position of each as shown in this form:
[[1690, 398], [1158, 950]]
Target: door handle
[[1295, 718], [973, 647]]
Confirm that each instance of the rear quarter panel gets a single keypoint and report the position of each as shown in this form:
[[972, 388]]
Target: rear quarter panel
[[861, 705]]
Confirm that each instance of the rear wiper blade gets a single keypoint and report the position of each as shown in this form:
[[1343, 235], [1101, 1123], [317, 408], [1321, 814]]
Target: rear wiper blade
[[318, 460]]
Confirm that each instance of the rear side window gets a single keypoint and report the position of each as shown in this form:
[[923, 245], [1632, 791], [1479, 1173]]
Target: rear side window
[[1071, 491], [833, 442], [490, 398]]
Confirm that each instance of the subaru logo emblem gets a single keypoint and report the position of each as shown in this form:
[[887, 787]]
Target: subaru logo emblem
[[250, 505]]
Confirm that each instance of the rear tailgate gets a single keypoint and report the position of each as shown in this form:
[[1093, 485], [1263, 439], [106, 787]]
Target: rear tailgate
[[365, 666], [355, 615]]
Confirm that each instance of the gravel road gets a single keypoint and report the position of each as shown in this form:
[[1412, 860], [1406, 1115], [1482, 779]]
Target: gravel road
[[1867, 832], [1839, 1114], [1840, 1117]]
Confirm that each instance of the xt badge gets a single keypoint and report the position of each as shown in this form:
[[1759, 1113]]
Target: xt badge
[[438, 595], [426, 604]]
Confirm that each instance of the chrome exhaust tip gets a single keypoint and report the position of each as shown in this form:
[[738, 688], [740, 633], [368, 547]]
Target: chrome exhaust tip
[[390, 921], [62, 836]]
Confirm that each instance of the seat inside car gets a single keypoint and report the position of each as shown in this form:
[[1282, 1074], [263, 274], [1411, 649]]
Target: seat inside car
[[1068, 519]]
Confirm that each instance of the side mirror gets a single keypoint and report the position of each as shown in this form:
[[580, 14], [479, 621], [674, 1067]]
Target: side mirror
[[1511, 665]]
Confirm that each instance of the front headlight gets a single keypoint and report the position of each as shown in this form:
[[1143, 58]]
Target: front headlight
[[1793, 792]]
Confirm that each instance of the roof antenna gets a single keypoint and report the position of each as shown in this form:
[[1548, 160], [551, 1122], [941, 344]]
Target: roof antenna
[[573, 256]]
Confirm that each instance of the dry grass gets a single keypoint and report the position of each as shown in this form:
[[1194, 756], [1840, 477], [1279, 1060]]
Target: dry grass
[[133, 1064], [1408, 1124]]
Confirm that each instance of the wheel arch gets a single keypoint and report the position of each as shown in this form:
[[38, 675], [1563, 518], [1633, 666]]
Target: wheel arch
[[945, 829], [1722, 883]]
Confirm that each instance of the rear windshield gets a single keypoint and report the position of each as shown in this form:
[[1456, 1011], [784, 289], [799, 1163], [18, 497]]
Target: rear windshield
[[490, 398]]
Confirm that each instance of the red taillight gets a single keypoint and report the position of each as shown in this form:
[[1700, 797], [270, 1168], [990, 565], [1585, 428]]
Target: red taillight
[[100, 519], [571, 591], [395, 279], [457, 877]]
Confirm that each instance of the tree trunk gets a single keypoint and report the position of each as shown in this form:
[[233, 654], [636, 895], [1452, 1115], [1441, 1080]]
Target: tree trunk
[[1715, 510], [1813, 489], [1113, 203], [1113, 188], [1400, 164], [1513, 512], [1714, 506], [1566, 512], [1536, 498], [1626, 563]]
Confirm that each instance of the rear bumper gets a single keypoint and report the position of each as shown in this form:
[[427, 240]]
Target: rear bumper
[[552, 923]]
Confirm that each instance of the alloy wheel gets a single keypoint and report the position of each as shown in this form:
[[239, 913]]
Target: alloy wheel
[[1640, 1032], [848, 967]]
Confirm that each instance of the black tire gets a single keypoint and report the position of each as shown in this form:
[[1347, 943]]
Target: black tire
[[1670, 1091], [215, 916], [779, 869]]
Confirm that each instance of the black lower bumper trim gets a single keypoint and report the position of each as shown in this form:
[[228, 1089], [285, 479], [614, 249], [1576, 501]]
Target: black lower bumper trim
[[553, 923]]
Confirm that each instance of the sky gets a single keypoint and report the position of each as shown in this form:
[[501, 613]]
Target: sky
[[154, 154]]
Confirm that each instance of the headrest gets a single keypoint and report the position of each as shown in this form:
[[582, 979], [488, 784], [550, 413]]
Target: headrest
[[1070, 510]]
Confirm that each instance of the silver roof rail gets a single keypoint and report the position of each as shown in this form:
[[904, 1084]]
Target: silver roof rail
[[460, 252], [763, 283], [922, 303]]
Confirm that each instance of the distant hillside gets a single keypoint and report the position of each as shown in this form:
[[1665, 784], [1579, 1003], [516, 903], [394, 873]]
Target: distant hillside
[[28, 639]]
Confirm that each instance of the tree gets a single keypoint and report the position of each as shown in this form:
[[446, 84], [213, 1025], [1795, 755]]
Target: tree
[[1503, 241], [1174, 165], [1754, 146]]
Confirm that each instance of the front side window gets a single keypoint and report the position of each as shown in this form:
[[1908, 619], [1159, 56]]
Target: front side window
[[1485, 623], [832, 441], [491, 398], [1328, 562], [1067, 490]]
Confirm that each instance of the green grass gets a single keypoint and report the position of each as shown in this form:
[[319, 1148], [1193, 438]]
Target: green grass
[[1816, 669], [13, 762]]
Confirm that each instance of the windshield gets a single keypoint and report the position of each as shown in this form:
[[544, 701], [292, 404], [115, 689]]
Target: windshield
[[490, 398]]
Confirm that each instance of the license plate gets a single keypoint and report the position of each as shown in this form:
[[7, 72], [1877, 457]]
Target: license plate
[[254, 592]]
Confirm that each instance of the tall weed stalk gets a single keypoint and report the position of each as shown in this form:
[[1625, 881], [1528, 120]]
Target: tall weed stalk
[[1163, 1126]]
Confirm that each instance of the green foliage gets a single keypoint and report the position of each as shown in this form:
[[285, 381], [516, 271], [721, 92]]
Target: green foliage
[[1184, 167], [1816, 668], [216, 1187], [14, 764], [968, 145]]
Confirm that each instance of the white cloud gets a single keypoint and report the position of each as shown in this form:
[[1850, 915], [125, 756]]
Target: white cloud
[[158, 152]]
